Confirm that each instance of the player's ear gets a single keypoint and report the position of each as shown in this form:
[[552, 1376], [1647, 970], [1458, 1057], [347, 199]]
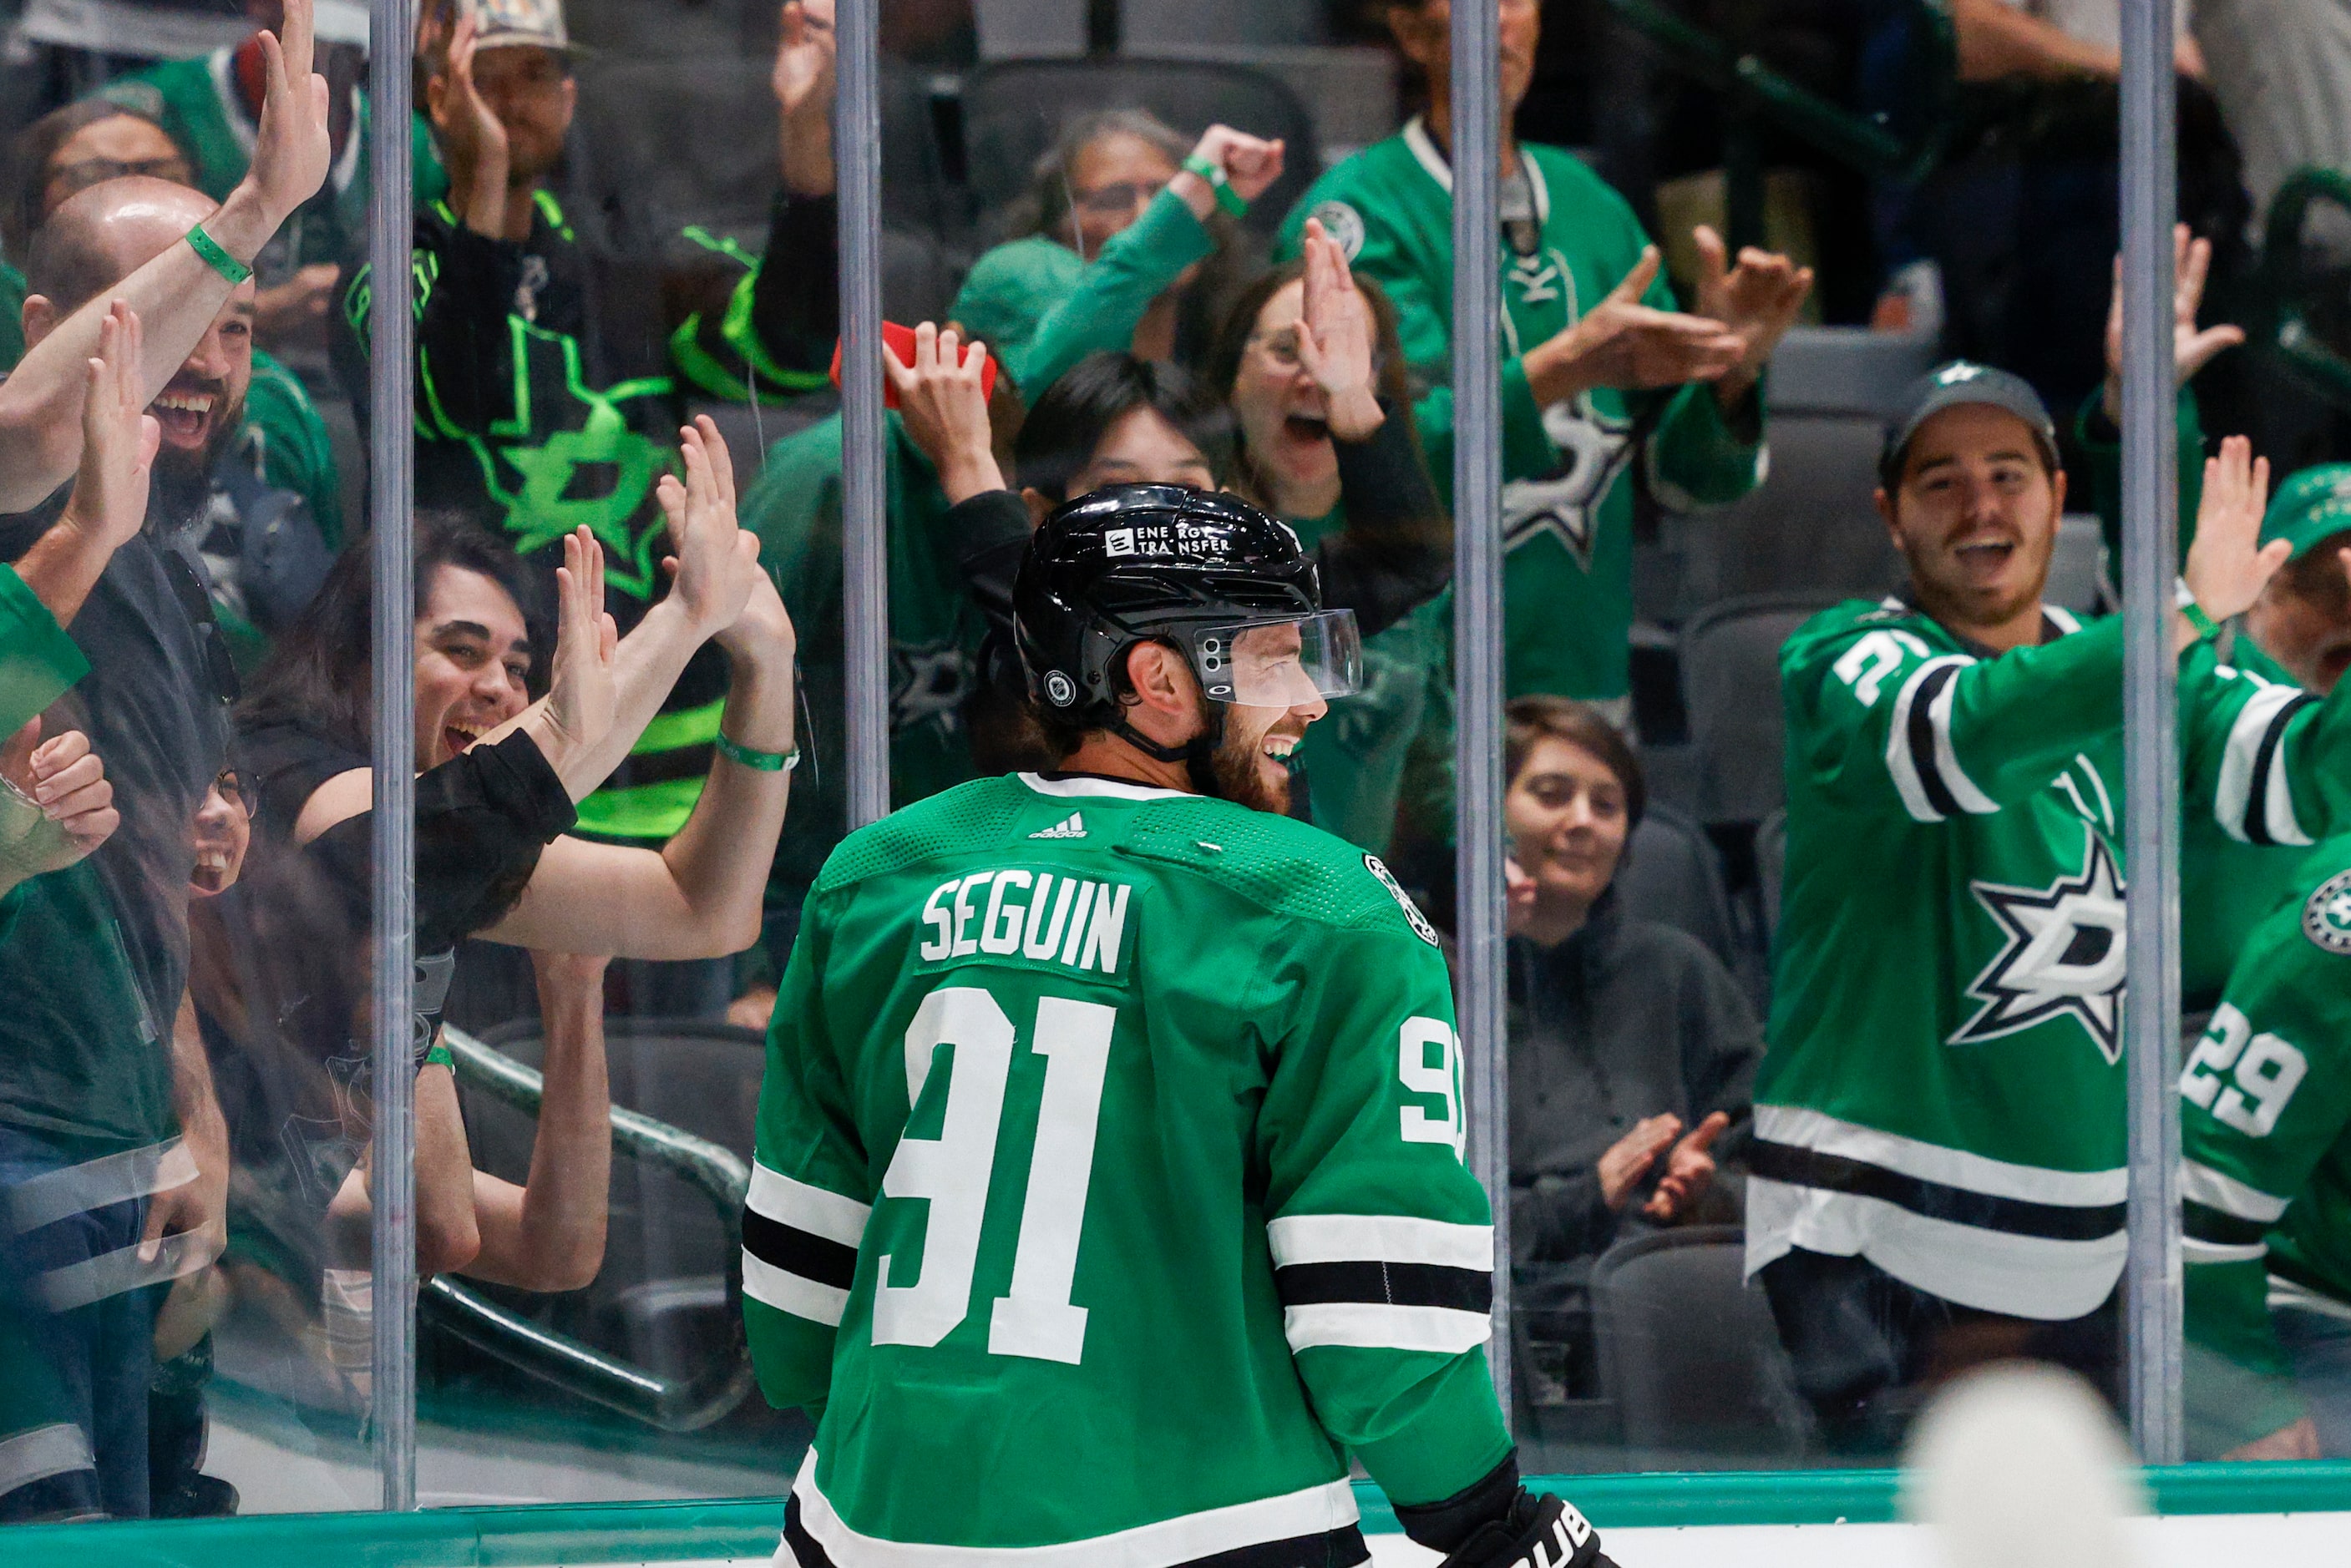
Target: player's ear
[[1885, 504], [1165, 697]]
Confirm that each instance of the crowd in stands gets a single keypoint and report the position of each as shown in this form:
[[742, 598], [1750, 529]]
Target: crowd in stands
[[1870, 1047]]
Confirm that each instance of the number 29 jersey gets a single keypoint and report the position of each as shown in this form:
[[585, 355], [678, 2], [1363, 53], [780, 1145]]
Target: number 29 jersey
[[1109, 1189]]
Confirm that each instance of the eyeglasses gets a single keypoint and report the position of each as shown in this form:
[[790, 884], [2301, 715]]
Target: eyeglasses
[[83, 172], [231, 786], [190, 591], [1281, 347], [1119, 197]]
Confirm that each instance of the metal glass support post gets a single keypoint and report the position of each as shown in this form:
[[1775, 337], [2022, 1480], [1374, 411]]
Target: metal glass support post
[[865, 490], [2151, 768], [393, 755], [1478, 630]]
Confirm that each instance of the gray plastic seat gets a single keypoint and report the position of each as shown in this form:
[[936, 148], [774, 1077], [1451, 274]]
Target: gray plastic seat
[[1671, 875], [1689, 1357], [1013, 109], [1731, 689], [1771, 867], [1809, 527], [659, 1298]]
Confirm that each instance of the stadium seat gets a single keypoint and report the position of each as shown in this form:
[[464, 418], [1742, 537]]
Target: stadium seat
[[1689, 1356], [1810, 525], [1771, 867], [1012, 110], [2077, 567], [1731, 687], [1671, 874], [708, 158], [662, 1300]]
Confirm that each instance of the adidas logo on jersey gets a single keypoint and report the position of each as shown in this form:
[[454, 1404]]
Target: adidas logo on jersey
[[1072, 827]]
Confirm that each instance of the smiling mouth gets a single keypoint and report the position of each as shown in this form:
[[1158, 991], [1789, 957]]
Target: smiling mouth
[[211, 873], [457, 737], [184, 415], [1979, 551], [1305, 427]]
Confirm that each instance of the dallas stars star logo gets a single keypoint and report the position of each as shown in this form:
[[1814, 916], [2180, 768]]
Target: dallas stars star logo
[[2063, 955]]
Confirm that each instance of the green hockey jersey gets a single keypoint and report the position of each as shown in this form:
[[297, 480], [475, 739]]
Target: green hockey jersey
[[1567, 495], [1110, 1190], [2266, 1108], [1944, 1091]]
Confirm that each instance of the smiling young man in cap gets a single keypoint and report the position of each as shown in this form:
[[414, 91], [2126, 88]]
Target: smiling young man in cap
[[1940, 1165]]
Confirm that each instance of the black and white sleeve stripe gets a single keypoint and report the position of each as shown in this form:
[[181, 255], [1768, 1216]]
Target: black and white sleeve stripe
[[1382, 1282], [1918, 754], [799, 1246], [2253, 802], [2224, 1220]]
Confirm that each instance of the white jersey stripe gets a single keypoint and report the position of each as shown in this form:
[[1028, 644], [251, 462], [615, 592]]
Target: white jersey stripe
[[2233, 798], [1992, 1271], [1816, 1131], [1901, 761], [1379, 1238], [775, 1196], [1315, 1511], [2218, 1189], [794, 1293], [2192, 1251], [1946, 760], [1375, 1325]]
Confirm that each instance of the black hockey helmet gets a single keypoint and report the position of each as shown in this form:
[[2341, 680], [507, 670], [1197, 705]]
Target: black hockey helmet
[[1200, 569]]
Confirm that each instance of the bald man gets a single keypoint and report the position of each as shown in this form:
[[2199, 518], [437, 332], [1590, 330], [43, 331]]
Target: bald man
[[92, 1111], [264, 554]]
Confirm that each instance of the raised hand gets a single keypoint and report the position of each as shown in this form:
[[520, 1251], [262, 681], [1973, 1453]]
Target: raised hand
[[291, 150], [472, 135], [1758, 299], [1689, 1170], [2227, 567], [940, 398], [802, 81], [582, 693], [2193, 348], [1251, 164], [714, 564], [119, 438], [1623, 343], [1334, 339]]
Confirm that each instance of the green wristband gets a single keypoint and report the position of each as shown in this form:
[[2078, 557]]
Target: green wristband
[[1227, 197], [763, 762], [2207, 628], [219, 260], [439, 1057]]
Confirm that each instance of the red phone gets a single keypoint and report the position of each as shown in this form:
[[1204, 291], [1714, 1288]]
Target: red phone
[[900, 342]]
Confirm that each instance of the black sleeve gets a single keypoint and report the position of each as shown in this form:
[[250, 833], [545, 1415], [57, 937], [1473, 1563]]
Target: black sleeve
[[464, 358], [991, 533], [795, 299], [482, 818], [1397, 550], [1555, 1219]]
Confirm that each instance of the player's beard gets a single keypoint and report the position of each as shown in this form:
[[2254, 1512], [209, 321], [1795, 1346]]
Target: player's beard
[[1233, 768]]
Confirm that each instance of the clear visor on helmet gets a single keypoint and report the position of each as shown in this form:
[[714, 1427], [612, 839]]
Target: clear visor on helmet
[[1290, 663]]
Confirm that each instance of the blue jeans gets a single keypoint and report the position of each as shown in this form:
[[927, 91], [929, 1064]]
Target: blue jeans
[[73, 1416], [2319, 1344]]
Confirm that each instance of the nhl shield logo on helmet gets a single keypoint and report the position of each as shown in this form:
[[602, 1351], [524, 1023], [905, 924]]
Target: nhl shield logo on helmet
[[1060, 690], [2326, 916]]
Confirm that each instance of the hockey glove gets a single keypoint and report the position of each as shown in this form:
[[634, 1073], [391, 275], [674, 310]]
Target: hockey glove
[[1498, 1523]]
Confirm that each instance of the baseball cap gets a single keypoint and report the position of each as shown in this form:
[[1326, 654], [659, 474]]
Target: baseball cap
[[509, 24], [1952, 386], [2315, 504]]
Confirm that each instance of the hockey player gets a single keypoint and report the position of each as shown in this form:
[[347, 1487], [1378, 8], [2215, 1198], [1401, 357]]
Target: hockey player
[[1109, 1187], [2267, 1179], [1939, 1154]]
